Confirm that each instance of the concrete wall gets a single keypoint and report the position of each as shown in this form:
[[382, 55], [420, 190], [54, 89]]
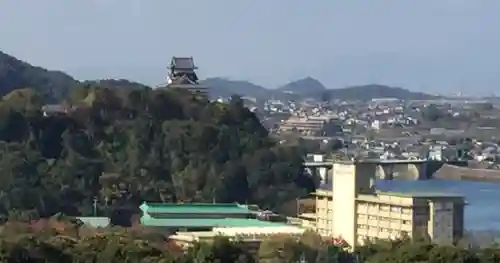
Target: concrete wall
[[344, 204]]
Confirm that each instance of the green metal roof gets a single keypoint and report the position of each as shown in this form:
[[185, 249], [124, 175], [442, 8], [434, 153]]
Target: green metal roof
[[208, 222], [194, 208]]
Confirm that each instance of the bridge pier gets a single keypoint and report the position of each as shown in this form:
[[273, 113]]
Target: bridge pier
[[386, 169], [320, 172]]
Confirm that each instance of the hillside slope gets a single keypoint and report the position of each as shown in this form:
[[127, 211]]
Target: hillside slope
[[303, 86], [221, 87], [17, 74], [372, 91]]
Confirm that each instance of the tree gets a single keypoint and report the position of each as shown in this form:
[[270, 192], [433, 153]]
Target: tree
[[432, 113]]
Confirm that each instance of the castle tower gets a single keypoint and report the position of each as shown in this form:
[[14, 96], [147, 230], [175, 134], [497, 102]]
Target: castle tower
[[182, 75]]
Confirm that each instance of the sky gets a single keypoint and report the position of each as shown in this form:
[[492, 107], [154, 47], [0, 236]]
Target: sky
[[436, 46]]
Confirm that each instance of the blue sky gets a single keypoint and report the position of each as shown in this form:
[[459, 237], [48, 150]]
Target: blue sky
[[428, 45]]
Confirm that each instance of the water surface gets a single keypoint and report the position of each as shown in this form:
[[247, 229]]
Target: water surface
[[483, 209]]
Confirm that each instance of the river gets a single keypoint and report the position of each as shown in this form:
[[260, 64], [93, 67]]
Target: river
[[483, 209]]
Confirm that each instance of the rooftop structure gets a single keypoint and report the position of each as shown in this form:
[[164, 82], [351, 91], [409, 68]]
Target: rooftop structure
[[182, 64], [182, 75], [368, 214], [197, 216], [194, 208], [249, 235], [206, 222]]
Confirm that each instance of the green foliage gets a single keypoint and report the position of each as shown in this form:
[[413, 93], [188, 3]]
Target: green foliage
[[61, 239], [372, 91], [16, 74], [125, 146], [432, 113]]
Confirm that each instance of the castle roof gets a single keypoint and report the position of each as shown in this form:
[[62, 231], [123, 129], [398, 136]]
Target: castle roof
[[182, 63]]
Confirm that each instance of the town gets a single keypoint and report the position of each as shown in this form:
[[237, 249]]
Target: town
[[354, 144], [249, 132]]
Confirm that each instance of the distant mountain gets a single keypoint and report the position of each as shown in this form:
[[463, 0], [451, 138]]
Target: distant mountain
[[17, 74], [303, 86], [221, 87], [368, 92], [310, 88], [54, 85]]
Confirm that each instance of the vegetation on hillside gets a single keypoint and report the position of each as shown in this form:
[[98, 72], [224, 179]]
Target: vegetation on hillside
[[368, 92], [304, 87], [115, 84], [123, 147], [220, 87], [61, 239], [17, 74]]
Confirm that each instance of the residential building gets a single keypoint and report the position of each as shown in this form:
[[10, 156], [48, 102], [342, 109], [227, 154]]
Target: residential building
[[353, 209], [57, 109], [303, 125]]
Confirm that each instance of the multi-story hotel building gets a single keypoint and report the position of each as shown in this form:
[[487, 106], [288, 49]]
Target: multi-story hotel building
[[353, 209]]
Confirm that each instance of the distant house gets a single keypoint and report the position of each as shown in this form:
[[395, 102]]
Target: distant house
[[96, 222], [57, 109]]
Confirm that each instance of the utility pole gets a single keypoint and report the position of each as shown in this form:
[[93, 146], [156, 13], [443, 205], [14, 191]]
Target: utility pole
[[95, 206], [297, 203]]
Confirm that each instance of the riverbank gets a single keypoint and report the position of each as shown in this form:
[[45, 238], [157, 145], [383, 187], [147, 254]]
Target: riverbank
[[452, 172]]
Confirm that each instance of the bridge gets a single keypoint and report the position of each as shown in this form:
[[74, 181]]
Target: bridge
[[386, 169]]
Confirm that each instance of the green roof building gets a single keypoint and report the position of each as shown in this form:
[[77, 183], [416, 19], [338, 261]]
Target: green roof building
[[197, 216]]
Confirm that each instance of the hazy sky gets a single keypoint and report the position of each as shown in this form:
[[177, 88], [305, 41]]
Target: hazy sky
[[429, 45]]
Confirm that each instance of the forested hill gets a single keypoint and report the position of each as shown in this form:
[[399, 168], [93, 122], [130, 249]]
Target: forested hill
[[373, 91], [17, 74], [125, 146]]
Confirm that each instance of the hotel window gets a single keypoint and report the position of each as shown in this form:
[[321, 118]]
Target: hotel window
[[396, 209], [372, 217], [406, 211], [362, 226], [406, 222], [384, 208]]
